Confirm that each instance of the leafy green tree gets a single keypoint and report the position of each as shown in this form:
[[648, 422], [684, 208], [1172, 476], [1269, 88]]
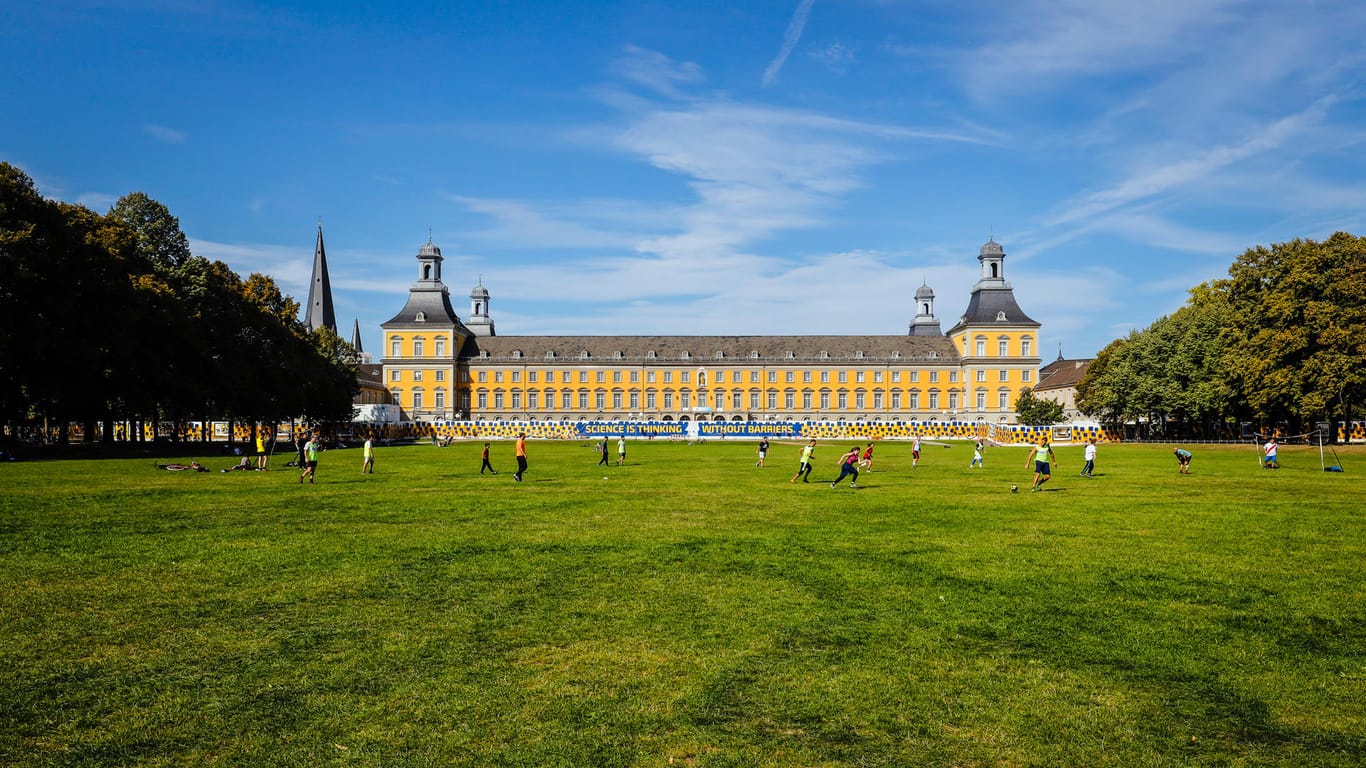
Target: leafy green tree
[[1037, 411], [1296, 340]]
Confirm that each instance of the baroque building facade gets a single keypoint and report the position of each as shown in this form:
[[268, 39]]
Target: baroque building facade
[[438, 367]]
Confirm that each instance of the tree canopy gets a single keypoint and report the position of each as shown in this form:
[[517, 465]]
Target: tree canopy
[[112, 317], [1281, 340]]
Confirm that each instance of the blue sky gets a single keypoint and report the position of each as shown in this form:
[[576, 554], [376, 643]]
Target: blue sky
[[709, 167]]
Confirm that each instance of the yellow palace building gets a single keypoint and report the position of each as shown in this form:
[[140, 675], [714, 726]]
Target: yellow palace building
[[438, 367]]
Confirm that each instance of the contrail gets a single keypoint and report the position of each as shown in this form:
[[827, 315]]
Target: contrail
[[794, 33]]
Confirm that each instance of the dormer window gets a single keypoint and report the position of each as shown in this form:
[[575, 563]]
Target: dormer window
[[650, 355], [858, 355], [685, 354], [618, 355], [790, 354], [896, 354], [516, 353], [754, 354], [484, 353], [720, 355], [1001, 316], [825, 355], [583, 354], [550, 355], [421, 317]]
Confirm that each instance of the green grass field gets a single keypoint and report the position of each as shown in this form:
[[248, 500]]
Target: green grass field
[[690, 609]]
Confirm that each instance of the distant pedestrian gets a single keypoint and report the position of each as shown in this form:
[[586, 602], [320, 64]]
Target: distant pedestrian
[[977, 449], [763, 451], [848, 466], [1090, 456], [310, 459], [915, 452], [621, 451], [602, 452], [520, 450], [804, 468], [1043, 458], [367, 452], [867, 461], [1183, 461], [486, 464], [261, 456]]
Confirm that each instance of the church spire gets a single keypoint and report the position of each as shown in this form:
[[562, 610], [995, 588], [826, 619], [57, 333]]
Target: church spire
[[355, 338], [320, 312]]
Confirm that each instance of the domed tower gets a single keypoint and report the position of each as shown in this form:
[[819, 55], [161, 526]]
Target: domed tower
[[925, 323], [998, 342], [422, 344], [479, 321]]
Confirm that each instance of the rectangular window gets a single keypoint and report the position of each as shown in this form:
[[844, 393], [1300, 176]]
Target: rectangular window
[[1003, 375], [616, 400], [1002, 348], [417, 375], [601, 377], [981, 374], [720, 399], [668, 377], [531, 377], [516, 399], [953, 400], [934, 376], [441, 375], [791, 376], [754, 401], [567, 401], [1003, 401], [683, 376], [859, 401], [773, 401], [981, 347], [806, 400], [395, 348], [1024, 376], [650, 377], [981, 401], [650, 401], [616, 377], [915, 376], [825, 401], [497, 401], [736, 401], [393, 375], [483, 376], [668, 401], [953, 376], [533, 400], [635, 377], [498, 376], [877, 400], [934, 401], [440, 350], [773, 377], [417, 347], [790, 400], [754, 377], [417, 401], [719, 377], [843, 376], [685, 400], [1025, 347], [877, 377], [440, 400], [483, 400], [914, 403], [516, 375], [549, 400], [583, 377], [635, 401], [843, 400], [825, 377], [601, 399], [896, 400], [806, 377], [583, 401], [858, 377]]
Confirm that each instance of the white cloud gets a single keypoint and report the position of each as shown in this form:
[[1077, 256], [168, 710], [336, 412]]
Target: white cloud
[[790, 39], [164, 134]]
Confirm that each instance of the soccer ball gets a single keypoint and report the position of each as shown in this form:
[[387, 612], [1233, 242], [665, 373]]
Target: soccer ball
[[1014, 489], [604, 477]]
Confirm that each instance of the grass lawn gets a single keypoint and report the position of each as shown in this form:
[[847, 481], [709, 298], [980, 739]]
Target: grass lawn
[[686, 609]]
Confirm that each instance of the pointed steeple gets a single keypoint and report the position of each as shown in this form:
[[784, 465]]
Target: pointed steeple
[[355, 338], [320, 312]]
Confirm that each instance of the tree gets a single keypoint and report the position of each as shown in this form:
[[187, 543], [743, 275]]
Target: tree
[[1037, 411], [1296, 340]]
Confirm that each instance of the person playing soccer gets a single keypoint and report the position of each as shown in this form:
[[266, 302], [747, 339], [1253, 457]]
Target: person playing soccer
[[602, 452], [763, 451], [915, 452], [1183, 461], [520, 450], [867, 461], [804, 469], [621, 450], [1270, 450], [1042, 455], [977, 455], [367, 451], [486, 464], [848, 466], [1090, 456]]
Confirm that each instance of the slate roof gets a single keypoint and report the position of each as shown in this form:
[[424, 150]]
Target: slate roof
[[435, 305], [987, 304], [702, 350]]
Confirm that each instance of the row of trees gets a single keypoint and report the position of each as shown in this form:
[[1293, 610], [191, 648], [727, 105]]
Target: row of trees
[[107, 318], [1282, 340]]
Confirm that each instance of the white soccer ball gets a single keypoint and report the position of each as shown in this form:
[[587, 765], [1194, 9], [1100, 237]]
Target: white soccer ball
[[604, 477], [1014, 489]]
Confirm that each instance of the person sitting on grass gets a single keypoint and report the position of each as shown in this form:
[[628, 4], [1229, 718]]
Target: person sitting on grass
[[193, 466]]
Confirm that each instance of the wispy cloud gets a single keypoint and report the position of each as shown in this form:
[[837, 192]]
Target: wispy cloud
[[836, 57], [790, 39], [164, 134]]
